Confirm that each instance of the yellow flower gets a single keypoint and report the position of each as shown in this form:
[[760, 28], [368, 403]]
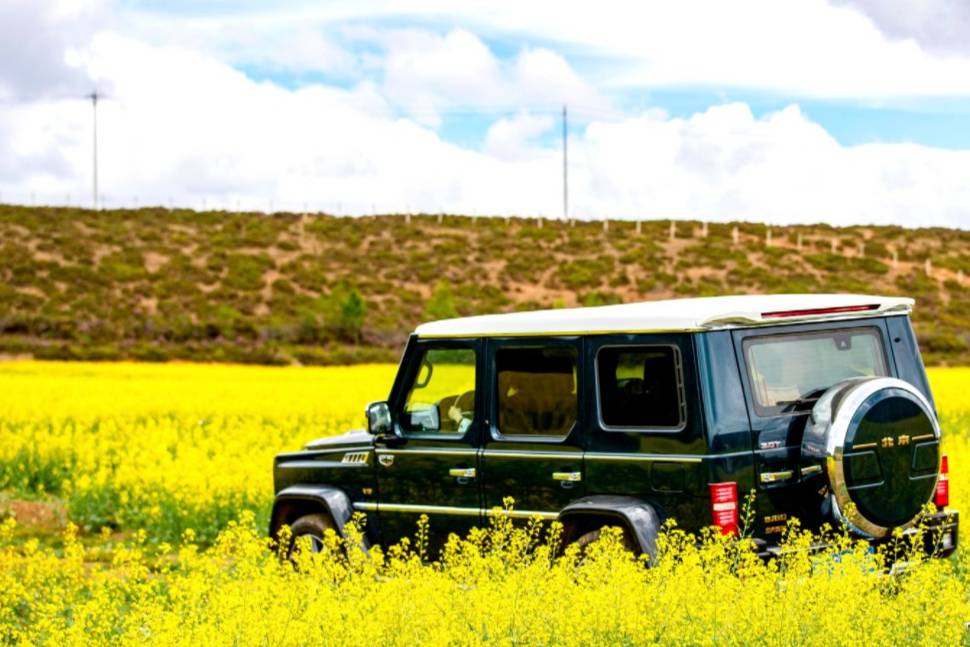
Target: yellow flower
[[162, 455]]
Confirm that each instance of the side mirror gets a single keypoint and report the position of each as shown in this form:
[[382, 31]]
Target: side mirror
[[379, 421]]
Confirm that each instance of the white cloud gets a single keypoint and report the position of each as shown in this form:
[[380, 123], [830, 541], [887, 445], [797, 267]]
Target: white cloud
[[35, 36], [187, 126], [803, 48], [724, 164], [544, 77], [514, 138], [275, 42], [427, 73], [291, 51], [184, 124], [424, 71], [938, 26], [810, 48]]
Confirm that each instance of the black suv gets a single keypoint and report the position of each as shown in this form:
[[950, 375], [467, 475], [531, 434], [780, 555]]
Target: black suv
[[631, 414]]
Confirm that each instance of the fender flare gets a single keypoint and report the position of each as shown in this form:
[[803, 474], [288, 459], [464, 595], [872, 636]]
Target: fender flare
[[637, 515], [333, 500]]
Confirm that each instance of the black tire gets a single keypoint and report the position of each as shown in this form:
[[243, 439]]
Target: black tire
[[314, 526], [583, 541]]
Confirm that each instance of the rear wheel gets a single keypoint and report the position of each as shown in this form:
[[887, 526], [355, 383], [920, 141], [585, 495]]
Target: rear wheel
[[583, 541]]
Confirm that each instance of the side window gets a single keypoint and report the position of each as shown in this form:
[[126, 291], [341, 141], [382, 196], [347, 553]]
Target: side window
[[536, 394], [441, 398], [640, 387]]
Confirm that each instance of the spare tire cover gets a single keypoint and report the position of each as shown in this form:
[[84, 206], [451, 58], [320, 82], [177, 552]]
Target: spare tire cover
[[878, 442]]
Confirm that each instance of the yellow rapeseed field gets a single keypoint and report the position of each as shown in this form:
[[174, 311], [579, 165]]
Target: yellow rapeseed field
[[167, 448], [178, 459]]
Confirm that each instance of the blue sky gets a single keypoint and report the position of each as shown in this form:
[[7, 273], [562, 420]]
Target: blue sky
[[938, 121], [845, 111], [942, 123]]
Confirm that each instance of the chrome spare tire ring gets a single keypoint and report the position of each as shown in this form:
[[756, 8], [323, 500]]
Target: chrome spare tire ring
[[840, 411]]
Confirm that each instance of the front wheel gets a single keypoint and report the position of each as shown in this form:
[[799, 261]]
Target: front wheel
[[312, 527]]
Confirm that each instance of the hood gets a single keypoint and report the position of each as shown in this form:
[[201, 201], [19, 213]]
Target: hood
[[353, 438]]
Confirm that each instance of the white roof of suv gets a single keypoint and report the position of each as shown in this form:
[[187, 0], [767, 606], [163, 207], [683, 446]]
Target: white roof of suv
[[673, 315]]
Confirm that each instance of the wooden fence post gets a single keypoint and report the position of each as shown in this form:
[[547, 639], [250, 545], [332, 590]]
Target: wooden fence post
[[638, 227], [734, 234], [673, 230], [768, 237], [928, 266]]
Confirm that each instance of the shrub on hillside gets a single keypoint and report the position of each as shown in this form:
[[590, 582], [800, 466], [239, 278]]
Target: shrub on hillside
[[245, 271], [585, 273], [52, 292], [441, 305]]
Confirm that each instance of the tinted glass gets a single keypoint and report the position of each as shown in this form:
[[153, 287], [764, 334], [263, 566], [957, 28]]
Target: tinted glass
[[442, 394], [640, 387], [790, 372], [536, 391]]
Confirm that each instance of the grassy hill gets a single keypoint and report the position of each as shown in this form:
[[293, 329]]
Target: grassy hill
[[157, 284]]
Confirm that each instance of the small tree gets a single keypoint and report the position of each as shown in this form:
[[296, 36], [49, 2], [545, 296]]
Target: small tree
[[441, 305], [343, 312], [352, 313]]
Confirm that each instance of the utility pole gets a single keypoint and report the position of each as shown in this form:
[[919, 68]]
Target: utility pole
[[565, 167], [94, 96]]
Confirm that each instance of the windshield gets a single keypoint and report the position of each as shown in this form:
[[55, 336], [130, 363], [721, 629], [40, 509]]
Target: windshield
[[789, 372]]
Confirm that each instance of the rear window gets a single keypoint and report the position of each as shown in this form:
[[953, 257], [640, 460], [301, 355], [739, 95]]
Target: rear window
[[789, 373]]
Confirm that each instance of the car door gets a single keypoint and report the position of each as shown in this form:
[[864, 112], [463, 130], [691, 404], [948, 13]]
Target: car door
[[645, 438], [533, 451], [433, 470]]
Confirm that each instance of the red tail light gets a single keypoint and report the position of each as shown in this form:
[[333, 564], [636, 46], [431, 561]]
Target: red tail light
[[942, 498], [780, 314], [724, 507]]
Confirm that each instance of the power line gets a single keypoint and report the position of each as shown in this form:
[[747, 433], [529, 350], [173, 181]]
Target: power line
[[464, 110], [486, 111]]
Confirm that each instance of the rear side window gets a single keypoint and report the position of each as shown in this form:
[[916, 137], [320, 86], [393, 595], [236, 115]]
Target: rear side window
[[640, 387], [536, 394], [788, 373]]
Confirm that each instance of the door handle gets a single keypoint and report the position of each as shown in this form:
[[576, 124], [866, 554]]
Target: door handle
[[462, 472], [570, 477], [774, 477]]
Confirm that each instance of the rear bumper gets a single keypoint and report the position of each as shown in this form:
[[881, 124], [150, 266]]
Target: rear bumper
[[944, 533], [940, 539]]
